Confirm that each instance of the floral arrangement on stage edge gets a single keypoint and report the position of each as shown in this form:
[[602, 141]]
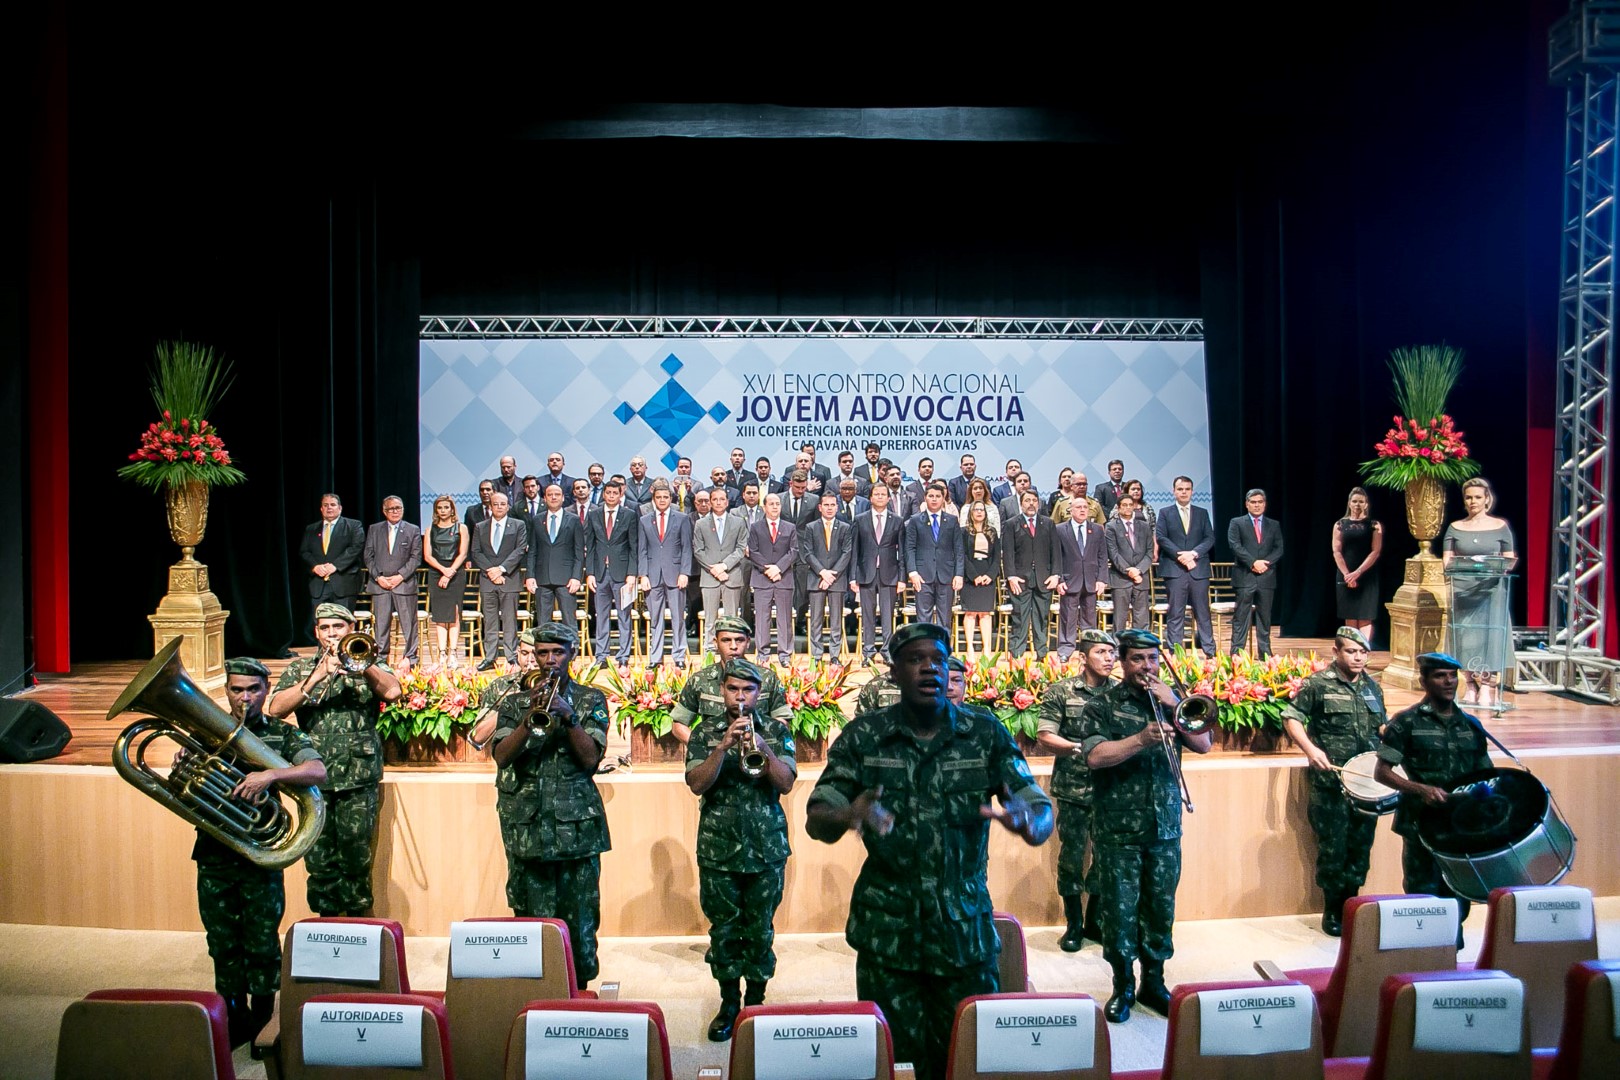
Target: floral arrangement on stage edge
[[642, 698], [1424, 443], [1011, 687], [812, 690], [187, 383], [435, 703], [1250, 692]]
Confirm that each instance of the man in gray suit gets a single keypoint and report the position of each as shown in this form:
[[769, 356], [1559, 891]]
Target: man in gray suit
[[824, 548], [875, 571], [933, 553], [902, 504], [1082, 567], [611, 560], [393, 552], [1186, 537], [773, 549], [638, 489], [498, 548], [1130, 558], [719, 542], [556, 560], [1257, 547], [665, 557]]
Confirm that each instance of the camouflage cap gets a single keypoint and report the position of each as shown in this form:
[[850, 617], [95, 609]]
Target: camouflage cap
[[918, 631], [527, 637], [1437, 661], [1352, 635], [731, 624], [1139, 639], [333, 611], [742, 669], [556, 633], [1096, 637], [246, 665], [956, 663]]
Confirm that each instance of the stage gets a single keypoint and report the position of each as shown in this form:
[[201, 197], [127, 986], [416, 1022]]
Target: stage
[[83, 848]]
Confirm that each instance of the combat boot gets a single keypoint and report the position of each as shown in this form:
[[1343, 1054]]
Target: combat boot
[[261, 1009], [730, 1005], [1073, 914], [1153, 994], [1332, 914], [754, 994], [237, 1019], [1118, 1009], [1093, 920]]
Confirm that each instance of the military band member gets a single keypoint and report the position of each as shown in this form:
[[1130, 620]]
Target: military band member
[[1435, 742], [338, 710], [1336, 715], [879, 692], [1062, 705], [916, 780], [552, 821], [1136, 822], [499, 688], [742, 842], [702, 698], [241, 904]]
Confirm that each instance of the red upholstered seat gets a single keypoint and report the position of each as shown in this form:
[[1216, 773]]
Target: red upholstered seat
[[1587, 1048], [1013, 965], [436, 1059], [962, 1062], [658, 1066], [1183, 1056], [1540, 965], [1394, 1058], [742, 1043], [112, 1034]]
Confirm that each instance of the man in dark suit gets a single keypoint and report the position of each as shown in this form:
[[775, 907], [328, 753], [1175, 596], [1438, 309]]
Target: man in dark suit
[[596, 478], [825, 549], [682, 486], [767, 482], [556, 561], [718, 481], [918, 489], [1113, 489], [719, 542], [1082, 566], [1029, 563], [933, 554], [739, 470], [876, 572], [901, 503], [1005, 490], [846, 471], [1186, 538], [610, 561], [580, 504], [959, 484], [1130, 560], [1257, 547], [773, 549], [393, 552], [530, 502], [508, 483], [1012, 505], [872, 471], [479, 511], [818, 474], [498, 549], [665, 557], [554, 475], [850, 504], [332, 550]]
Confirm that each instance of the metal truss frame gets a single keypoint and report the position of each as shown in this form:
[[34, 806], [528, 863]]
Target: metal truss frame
[[804, 326]]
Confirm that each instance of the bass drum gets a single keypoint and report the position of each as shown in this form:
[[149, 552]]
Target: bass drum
[[1499, 828], [1367, 795]]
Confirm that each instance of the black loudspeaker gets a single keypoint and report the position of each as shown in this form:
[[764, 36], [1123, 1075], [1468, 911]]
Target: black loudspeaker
[[29, 732]]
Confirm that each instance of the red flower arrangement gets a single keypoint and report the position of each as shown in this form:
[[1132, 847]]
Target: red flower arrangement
[[187, 382]]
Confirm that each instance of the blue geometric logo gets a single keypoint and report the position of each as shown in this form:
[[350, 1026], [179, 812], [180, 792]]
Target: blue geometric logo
[[671, 412]]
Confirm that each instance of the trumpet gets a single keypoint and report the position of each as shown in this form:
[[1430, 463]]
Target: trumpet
[[751, 757], [1192, 716], [357, 652], [542, 688]]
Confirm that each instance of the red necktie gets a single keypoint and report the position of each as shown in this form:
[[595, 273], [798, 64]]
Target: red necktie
[[660, 528], [1257, 528], [773, 532], [1031, 522], [610, 523], [582, 513]]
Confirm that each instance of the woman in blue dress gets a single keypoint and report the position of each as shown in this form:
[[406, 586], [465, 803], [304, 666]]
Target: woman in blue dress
[[1481, 626]]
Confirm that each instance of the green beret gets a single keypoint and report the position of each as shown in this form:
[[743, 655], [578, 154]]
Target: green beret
[[956, 663], [333, 611], [918, 631], [527, 637], [1139, 639], [731, 624], [742, 669], [1096, 637], [1351, 634], [556, 633], [246, 665], [1437, 661]]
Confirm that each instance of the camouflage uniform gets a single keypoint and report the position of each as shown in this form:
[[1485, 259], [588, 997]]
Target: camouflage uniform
[[1342, 718], [241, 904], [494, 692], [742, 849], [1061, 707], [343, 728], [879, 692], [1135, 833], [1435, 750], [701, 701], [920, 917], [554, 827]]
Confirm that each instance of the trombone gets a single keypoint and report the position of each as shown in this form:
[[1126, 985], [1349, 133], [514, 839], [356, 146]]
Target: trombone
[[1192, 716]]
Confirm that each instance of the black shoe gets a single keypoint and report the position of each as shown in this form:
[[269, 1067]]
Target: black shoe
[[754, 994], [238, 1019], [262, 1007], [489, 662], [725, 1020], [1093, 926], [1153, 994], [1332, 919], [1118, 1009], [1073, 938]]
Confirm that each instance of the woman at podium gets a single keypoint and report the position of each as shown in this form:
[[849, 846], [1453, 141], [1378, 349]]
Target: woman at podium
[[1479, 555]]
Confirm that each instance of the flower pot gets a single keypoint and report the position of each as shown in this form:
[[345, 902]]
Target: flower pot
[[188, 514], [649, 749], [807, 751], [428, 751], [1031, 747], [1425, 511]]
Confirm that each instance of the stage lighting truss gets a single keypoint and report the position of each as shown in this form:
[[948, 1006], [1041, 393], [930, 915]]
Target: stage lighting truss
[[1584, 56], [802, 326]]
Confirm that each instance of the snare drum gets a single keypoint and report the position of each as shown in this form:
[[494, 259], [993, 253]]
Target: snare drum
[[1366, 795], [1498, 828]]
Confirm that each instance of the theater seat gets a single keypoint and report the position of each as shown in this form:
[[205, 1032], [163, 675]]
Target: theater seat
[[1013, 964], [1395, 1057], [138, 1034], [1587, 1048], [517, 1043], [1540, 965], [743, 1044], [962, 1063], [1187, 1058], [434, 1046]]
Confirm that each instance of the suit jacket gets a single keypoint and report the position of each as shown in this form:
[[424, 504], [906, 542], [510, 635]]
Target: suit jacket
[[1108, 494], [1123, 555], [937, 561], [1173, 540], [958, 486], [556, 562], [1009, 507], [815, 553], [916, 490], [1033, 558], [521, 509], [808, 508], [709, 548], [344, 550], [868, 472], [512, 491], [738, 477], [876, 559], [564, 481], [637, 494], [1246, 550], [1081, 572], [471, 518], [848, 512], [611, 558], [781, 553], [403, 560], [662, 561], [514, 547], [862, 484], [747, 516]]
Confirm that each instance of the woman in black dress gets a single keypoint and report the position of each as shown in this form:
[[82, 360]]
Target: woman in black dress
[[1358, 540], [444, 550], [981, 550]]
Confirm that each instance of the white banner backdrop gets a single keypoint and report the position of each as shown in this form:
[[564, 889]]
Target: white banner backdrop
[[1049, 403]]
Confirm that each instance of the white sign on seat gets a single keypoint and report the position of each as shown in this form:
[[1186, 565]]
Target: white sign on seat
[[822, 1047], [1255, 1020], [1553, 913], [1479, 1016], [495, 950], [585, 1045], [334, 950], [339, 1033], [1036, 1035], [1416, 922]]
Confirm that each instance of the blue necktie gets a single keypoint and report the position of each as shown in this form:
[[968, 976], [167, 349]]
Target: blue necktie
[[936, 528], [553, 529]]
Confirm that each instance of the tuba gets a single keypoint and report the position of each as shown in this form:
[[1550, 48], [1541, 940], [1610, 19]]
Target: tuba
[[199, 785]]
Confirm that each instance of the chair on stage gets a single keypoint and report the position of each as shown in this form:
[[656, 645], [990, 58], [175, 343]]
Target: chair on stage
[[472, 614], [1588, 1048], [1214, 1034], [1441, 1041], [1537, 945], [1222, 603], [353, 1038], [980, 1014], [1013, 965], [1003, 614], [1383, 936], [304, 975], [533, 1017], [137, 1034], [862, 1015]]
